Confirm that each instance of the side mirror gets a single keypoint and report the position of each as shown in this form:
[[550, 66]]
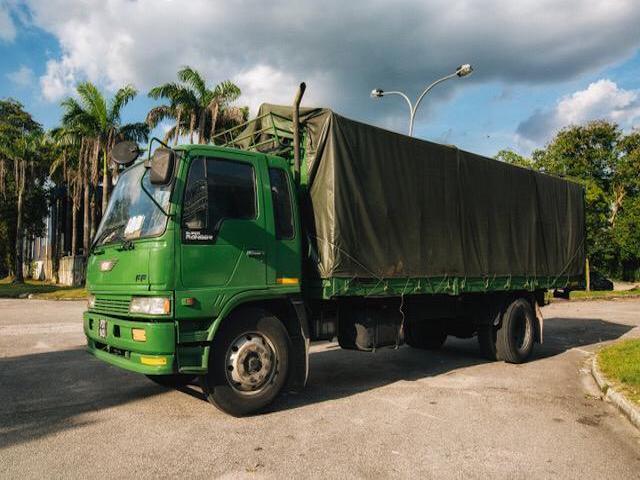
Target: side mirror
[[125, 153], [162, 165]]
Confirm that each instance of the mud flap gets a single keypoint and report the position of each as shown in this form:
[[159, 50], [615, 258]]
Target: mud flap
[[300, 350], [540, 320]]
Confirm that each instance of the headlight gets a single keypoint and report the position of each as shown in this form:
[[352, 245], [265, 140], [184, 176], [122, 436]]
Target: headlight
[[91, 301], [150, 305]]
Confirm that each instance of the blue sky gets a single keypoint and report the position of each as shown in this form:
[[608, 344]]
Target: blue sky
[[539, 65]]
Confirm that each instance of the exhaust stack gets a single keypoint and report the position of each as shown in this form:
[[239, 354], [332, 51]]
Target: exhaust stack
[[296, 132]]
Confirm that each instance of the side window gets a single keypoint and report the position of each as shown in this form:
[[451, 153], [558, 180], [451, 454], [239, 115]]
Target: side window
[[281, 199], [196, 203], [232, 191], [217, 190]]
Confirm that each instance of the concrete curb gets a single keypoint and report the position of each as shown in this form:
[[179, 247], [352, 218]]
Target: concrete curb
[[628, 408]]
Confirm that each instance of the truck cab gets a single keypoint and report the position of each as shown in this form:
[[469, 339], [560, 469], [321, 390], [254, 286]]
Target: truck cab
[[218, 238]]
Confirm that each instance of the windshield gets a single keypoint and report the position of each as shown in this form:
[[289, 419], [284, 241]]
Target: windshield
[[131, 214]]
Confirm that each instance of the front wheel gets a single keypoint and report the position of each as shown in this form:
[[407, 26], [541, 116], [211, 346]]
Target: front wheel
[[248, 364]]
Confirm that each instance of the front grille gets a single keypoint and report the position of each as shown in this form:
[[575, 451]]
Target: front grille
[[114, 306]]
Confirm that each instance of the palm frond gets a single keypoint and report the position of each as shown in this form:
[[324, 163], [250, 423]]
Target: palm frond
[[138, 132], [158, 114], [93, 103], [169, 90], [123, 96], [227, 91], [193, 78]]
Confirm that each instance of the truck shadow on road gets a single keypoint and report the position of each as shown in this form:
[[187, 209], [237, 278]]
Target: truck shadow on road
[[46, 393], [337, 373]]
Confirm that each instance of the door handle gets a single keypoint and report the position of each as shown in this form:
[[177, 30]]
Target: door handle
[[255, 253]]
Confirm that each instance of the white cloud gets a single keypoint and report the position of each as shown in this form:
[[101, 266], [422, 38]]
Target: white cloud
[[7, 28], [600, 100], [23, 77], [59, 79], [342, 49]]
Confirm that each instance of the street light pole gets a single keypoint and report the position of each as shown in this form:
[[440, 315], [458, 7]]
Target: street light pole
[[461, 71]]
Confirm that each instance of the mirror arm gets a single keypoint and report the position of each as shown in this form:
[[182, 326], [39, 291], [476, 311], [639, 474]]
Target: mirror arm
[[151, 196]]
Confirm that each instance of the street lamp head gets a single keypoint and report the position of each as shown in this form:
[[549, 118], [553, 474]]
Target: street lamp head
[[464, 70], [377, 93]]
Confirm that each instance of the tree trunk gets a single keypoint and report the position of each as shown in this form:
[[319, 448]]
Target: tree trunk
[[74, 229], [20, 183], [203, 118], [95, 159], [85, 188], [177, 132], [192, 126], [55, 240], [105, 182], [214, 119]]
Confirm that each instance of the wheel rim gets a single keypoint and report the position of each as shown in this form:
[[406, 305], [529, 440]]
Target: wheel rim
[[251, 363], [522, 331]]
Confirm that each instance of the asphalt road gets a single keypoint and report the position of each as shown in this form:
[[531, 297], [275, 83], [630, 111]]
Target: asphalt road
[[403, 413]]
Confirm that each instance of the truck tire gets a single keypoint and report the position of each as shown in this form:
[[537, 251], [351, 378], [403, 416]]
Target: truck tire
[[249, 362], [516, 335], [172, 381], [512, 340], [425, 335]]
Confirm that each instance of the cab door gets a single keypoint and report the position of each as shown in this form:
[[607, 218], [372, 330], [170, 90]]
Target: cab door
[[223, 240]]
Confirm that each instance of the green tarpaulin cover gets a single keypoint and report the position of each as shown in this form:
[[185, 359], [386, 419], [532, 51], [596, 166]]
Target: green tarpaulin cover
[[384, 205]]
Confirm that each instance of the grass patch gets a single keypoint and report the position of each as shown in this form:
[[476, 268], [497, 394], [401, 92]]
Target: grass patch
[[620, 363], [39, 289], [603, 295]]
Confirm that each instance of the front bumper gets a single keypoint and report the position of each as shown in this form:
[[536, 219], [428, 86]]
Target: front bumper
[[154, 356]]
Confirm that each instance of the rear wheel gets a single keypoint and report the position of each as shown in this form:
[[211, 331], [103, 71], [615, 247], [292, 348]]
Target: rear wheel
[[172, 381], [512, 340], [425, 335], [248, 364]]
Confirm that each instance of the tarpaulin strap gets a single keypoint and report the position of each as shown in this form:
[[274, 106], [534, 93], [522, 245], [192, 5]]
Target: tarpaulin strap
[[569, 262], [401, 313]]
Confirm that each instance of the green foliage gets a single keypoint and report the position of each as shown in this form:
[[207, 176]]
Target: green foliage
[[195, 108], [24, 160], [513, 158]]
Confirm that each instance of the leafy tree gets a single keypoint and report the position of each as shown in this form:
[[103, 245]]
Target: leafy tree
[[23, 170], [626, 235], [513, 158], [194, 106]]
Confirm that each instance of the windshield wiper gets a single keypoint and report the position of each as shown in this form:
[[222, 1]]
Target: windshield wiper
[[106, 233], [127, 245]]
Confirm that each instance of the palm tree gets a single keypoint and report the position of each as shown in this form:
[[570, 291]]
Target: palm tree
[[194, 106], [68, 141], [100, 122]]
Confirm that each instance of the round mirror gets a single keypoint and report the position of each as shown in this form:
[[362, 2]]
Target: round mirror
[[124, 153]]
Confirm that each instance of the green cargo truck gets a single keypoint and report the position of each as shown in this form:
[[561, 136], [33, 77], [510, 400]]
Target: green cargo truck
[[223, 261]]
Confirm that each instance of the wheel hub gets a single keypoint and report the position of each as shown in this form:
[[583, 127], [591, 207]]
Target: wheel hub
[[251, 362]]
